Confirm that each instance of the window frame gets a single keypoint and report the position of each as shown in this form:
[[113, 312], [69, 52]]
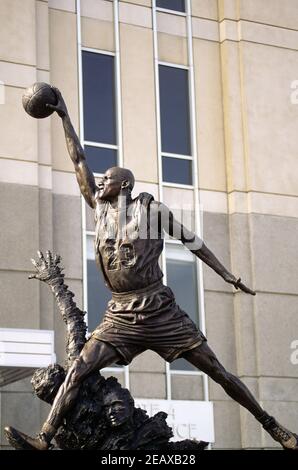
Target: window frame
[[172, 12], [177, 155], [161, 184], [179, 245], [103, 145], [124, 370]]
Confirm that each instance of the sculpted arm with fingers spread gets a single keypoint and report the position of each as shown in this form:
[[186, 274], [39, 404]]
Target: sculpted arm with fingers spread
[[84, 175], [162, 216], [48, 270]]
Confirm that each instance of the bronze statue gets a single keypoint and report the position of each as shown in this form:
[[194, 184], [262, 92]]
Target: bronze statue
[[143, 313], [104, 416]]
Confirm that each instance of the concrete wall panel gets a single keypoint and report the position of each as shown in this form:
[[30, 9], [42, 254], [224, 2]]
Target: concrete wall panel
[[18, 31], [138, 95]]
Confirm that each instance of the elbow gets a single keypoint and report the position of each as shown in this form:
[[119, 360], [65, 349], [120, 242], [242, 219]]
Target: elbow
[[192, 242], [80, 155]]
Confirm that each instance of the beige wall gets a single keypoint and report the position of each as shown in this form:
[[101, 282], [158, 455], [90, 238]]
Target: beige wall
[[272, 120], [245, 60], [19, 131], [146, 3], [138, 98], [272, 12], [205, 9], [210, 125], [98, 34], [172, 49], [64, 75], [18, 31]]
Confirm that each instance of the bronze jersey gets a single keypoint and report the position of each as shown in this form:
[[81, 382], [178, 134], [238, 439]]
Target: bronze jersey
[[124, 247]]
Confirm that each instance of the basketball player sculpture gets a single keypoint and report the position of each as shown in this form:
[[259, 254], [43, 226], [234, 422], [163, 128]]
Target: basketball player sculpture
[[143, 313]]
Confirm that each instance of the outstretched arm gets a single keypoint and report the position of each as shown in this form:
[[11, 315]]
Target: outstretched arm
[[84, 175], [163, 217], [49, 271]]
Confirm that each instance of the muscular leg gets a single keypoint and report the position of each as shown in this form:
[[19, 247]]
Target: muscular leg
[[204, 359], [94, 356]]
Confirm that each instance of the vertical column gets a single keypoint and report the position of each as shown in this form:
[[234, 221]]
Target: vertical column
[[173, 49], [236, 149]]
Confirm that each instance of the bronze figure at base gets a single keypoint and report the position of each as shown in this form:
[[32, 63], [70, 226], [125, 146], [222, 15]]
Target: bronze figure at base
[[104, 416]]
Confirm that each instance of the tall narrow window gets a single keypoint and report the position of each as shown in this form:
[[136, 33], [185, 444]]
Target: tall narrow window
[[99, 111], [175, 125], [176, 5], [182, 278], [174, 110]]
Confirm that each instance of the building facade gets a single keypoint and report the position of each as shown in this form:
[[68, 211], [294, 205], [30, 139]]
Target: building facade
[[199, 98]]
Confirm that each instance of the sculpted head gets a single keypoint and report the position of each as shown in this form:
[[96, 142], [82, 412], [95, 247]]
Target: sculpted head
[[118, 403], [116, 180], [46, 382]]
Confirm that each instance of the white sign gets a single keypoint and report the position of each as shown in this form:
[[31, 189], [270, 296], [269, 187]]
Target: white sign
[[188, 419]]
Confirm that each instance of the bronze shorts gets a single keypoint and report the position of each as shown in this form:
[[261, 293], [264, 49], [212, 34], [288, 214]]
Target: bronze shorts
[[147, 319]]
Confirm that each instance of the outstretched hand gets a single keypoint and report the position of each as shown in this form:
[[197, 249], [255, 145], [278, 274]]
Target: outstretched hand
[[47, 268], [238, 284], [60, 107]]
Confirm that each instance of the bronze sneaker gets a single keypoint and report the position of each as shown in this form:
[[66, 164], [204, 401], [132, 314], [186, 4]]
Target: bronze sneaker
[[282, 435], [21, 441]]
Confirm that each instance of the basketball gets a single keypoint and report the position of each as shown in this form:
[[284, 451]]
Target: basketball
[[35, 99]]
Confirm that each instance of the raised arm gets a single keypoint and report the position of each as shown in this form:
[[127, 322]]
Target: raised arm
[[84, 175], [163, 218], [49, 271]]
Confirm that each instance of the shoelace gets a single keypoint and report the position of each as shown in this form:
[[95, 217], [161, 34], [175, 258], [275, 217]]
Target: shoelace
[[282, 433]]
